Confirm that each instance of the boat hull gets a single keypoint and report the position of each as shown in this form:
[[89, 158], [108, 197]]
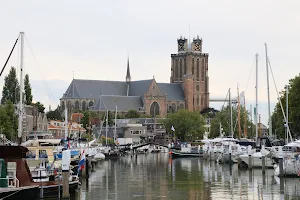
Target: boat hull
[[177, 154], [257, 161], [28, 192], [52, 190]]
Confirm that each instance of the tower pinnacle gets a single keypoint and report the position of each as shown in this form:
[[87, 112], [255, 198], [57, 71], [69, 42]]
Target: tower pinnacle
[[128, 77]]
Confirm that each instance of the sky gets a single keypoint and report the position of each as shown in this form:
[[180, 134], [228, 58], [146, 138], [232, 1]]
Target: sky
[[92, 40]]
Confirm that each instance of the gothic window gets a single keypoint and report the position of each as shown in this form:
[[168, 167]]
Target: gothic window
[[83, 105], [91, 103], [154, 109], [63, 105], [180, 68], [176, 69], [202, 70], [202, 100], [181, 106], [197, 100], [184, 65], [170, 110], [198, 68], [173, 107], [76, 105], [69, 106], [193, 63], [197, 88]]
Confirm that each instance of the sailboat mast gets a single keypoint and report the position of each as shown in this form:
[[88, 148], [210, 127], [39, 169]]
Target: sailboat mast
[[115, 124], [106, 126], [21, 90], [66, 121], [268, 89], [230, 110], [256, 98], [245, 120], [239, 113]]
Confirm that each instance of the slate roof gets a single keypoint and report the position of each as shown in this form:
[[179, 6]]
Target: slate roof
[[124, 103], [174, 91], [139, 88], [94, 88], [80, 88]]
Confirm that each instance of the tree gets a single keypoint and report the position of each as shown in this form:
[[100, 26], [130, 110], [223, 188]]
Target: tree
[[188, 125], [27, 88], [40, 106], [11, 88], [55, 114], [8, 121], [132, 114], [209, 112], [278, 123], [223, 117]]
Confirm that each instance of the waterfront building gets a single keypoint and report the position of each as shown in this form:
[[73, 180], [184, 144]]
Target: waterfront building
[[188, 88]]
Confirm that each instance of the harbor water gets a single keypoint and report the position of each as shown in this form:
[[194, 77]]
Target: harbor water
[[156, 176]]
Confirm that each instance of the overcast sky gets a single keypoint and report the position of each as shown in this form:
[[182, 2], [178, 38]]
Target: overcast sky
[[92, 39]]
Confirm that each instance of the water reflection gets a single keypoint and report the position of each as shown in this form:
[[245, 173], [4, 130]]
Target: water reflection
[[155, 176]]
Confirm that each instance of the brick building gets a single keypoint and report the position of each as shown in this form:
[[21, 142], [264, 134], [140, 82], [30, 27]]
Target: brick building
[[188, 87]]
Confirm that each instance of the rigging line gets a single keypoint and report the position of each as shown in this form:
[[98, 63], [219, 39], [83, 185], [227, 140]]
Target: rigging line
[[41, 74], [283, 113], [9, 55], [250, 75]]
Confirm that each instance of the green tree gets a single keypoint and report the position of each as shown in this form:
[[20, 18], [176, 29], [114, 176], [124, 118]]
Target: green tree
[[294, 110], [223, 117], [11, 88], [27, 88], [132, 114], [40, 106], [8, 121], [188, 125], [55, 114]]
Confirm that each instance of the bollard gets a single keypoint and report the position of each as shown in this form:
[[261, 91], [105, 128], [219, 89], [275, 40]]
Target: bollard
[[66, 159], [250, 162], [280, 161], [280, 167], [66, 175], [263, 160]]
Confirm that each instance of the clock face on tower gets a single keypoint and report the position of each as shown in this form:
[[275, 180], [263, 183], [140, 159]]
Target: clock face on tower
[[180, 47], [197, 47]]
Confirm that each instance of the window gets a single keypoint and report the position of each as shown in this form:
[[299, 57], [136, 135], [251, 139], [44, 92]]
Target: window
[[135, 132], [202, 70], [202, 101], [184, 65], [180, 68], [197, 87], [193, 63], [198, 68], [176, 69], [197, 100]]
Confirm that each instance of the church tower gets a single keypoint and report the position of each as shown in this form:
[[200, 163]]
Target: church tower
[[190, 66]]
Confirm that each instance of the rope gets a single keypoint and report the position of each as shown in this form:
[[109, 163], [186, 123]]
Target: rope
[[11, 194], [39, 69], [250, 75]]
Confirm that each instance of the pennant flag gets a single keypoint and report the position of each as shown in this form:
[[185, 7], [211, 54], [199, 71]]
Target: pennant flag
[[172, 128], [82, 161]]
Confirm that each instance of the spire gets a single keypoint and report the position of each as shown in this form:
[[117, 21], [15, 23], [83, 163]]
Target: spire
[[128, 77]]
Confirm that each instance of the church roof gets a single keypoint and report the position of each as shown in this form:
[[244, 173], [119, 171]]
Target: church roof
[[124, 103], [174, 91], [139, 88], [93, 89]]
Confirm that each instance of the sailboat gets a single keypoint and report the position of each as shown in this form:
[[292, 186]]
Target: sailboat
[[14, 157]]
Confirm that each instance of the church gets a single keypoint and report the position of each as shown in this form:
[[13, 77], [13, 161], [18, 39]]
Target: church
[[188, 87]]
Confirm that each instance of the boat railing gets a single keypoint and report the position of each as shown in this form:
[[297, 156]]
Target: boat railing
[[12, 182]]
